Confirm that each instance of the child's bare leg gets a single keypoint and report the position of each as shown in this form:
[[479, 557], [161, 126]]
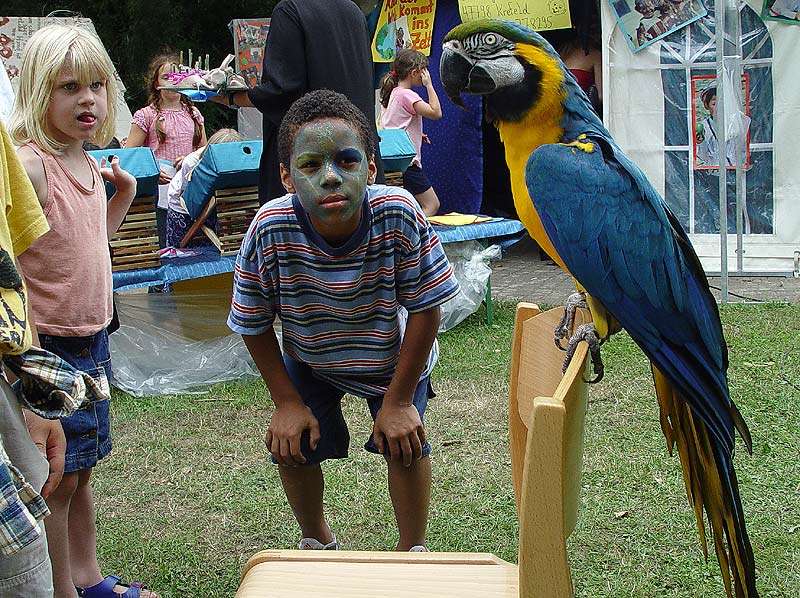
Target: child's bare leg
[[410, 489], [304, 487], [83, 534], [428, 201], [57, 528], [83, 538]]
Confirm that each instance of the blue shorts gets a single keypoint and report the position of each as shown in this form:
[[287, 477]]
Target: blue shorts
[[325, 402], [88, 430], [415, 181]]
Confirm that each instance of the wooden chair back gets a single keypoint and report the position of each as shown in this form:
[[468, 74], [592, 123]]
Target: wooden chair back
[[546, 421]]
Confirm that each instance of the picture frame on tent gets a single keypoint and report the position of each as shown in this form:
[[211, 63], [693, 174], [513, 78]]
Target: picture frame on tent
[[784, 11], [704, 136], [644, 22]]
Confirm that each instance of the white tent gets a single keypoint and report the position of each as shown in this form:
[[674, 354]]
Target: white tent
[[15, 32], [651, 103]]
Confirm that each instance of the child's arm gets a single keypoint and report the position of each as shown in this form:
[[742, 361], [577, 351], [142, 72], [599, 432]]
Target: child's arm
[[398, 428], [34, 168], [291, 416], [136, 136], [118, 205], [432, 108]]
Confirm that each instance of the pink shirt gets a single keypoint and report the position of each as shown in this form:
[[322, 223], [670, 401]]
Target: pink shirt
[[68, 270], [400, 114], [178, 125]]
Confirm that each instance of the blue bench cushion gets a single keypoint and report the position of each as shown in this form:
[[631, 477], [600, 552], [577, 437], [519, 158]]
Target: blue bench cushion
[[397, 151], [140, 162], [223, 166]]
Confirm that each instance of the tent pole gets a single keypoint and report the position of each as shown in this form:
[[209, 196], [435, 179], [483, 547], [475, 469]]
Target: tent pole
[[719, 16], [741, 142]]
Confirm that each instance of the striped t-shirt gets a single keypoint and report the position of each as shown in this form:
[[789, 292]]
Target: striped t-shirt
[[342, 309]]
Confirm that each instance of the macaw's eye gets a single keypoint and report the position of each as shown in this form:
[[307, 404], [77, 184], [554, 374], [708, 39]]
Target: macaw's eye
[[490, 39]]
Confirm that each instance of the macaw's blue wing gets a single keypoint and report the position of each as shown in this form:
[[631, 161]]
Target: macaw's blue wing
[[623, 245]]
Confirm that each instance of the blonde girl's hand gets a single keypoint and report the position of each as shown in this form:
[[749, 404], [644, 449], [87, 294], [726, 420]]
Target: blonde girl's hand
[[177, 162], [426, 139], [123, 180], [426, 77]]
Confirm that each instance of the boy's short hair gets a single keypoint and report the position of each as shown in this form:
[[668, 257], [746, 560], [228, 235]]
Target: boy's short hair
[[49, 50], [322, 104]]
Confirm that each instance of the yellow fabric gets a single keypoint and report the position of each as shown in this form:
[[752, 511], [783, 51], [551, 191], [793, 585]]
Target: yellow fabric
[[540, 125], [21, 222], [456, 219]]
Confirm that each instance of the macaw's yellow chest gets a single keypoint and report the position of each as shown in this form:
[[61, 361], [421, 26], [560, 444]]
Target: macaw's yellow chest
[[520, 140]]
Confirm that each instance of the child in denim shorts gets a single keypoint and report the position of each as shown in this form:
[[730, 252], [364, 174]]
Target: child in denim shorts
[[67, 97], [356, 275]]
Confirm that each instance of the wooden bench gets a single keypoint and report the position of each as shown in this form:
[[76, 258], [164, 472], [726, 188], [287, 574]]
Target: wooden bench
[[135, 245]]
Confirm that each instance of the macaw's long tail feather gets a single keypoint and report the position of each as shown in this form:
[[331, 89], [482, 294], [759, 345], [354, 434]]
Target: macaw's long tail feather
[[711, 485]]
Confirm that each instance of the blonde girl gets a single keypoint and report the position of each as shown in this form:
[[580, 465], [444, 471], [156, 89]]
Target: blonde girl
[[170, 125], [66, 97], [403, 108]]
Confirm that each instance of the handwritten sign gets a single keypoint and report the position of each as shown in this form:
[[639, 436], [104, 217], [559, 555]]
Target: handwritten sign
[[538, 15], [403, 24]]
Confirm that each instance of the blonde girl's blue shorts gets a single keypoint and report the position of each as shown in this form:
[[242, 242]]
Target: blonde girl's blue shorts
[[88, 430]]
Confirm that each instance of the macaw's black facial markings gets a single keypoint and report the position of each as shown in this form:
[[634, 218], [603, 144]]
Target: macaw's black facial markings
[[512, 102]]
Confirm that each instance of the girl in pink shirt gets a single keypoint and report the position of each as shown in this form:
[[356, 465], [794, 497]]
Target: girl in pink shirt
[[171, 126], [403, 108]]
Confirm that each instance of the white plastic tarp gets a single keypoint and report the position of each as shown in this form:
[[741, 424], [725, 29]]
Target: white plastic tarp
[[654, 108]]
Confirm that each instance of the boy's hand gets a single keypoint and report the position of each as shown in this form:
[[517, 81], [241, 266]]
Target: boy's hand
[[398, 430], [48, 436], [288, 423], [123, 180]]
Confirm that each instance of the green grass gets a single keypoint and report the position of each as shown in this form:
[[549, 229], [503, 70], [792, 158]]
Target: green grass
[[187, 494]]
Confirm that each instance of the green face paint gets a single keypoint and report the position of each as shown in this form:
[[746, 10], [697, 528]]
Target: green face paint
[[329, 169]]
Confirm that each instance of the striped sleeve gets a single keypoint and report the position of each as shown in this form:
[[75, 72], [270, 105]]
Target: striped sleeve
[[253, 303], [425, 278]]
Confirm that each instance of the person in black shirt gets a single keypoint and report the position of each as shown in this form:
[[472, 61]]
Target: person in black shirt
[[312, 44]]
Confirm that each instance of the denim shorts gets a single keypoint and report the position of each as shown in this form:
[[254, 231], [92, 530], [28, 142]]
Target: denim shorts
[[415, 181], [88, 430], [325, 402]]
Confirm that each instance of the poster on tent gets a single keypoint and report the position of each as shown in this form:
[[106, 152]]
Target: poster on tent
[[403, 24], [249, 38], [539, 15], [704, 135], [785, 11], [644, 22]]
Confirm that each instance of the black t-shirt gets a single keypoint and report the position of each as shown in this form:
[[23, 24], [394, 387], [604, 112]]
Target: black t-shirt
[[312, 44]]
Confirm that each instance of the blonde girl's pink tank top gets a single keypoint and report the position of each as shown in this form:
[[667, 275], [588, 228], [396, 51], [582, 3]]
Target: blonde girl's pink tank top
[[68, 270]]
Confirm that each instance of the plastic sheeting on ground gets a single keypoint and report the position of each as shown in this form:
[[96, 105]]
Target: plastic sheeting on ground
[[177, 343]]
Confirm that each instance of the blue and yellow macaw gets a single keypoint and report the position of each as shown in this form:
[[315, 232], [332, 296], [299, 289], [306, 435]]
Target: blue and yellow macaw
[[595, 213]]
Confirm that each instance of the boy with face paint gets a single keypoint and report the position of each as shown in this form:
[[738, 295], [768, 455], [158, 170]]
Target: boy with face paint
[[356, 275]]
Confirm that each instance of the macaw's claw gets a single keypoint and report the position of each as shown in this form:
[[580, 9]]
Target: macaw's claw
[[564, 328], [586, 332]]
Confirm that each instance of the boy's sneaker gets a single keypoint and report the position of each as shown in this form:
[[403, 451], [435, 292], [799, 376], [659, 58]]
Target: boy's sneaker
[[314, 544], [418, 548]]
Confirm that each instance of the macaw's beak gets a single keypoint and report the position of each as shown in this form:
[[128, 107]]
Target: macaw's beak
[[454, 70], [459, 74]]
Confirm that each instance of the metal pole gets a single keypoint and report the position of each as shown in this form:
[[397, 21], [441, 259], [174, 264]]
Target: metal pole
[[719, 123], [735, 22]]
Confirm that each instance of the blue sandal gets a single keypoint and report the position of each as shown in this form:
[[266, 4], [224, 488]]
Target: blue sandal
[[105, 589]]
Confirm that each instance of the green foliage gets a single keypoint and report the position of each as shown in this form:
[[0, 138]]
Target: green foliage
[[134, 30]]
